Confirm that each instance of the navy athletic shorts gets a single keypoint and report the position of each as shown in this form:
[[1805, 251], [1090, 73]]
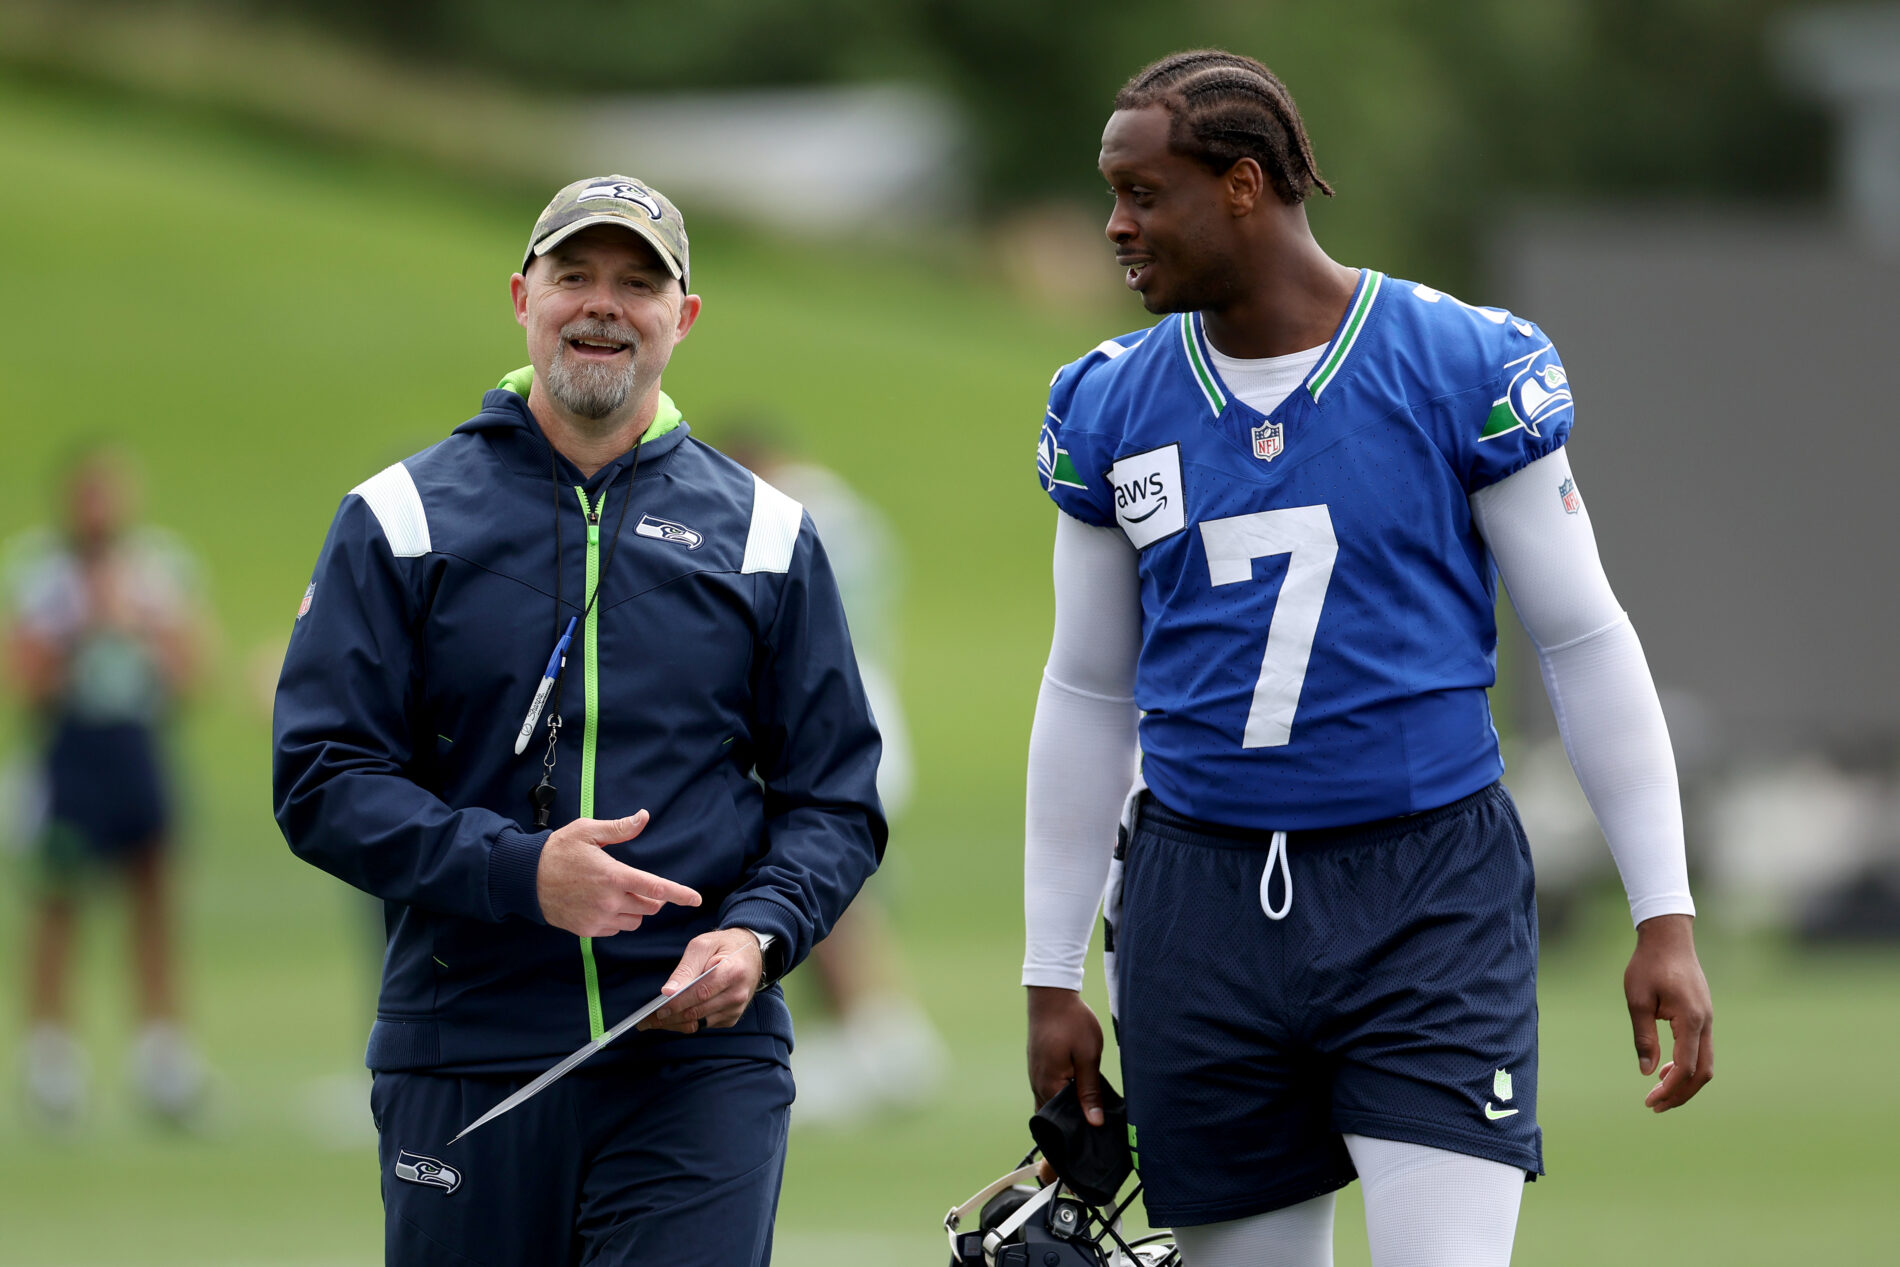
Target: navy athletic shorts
[[674, 1162], [1397, 999], [106, 795]]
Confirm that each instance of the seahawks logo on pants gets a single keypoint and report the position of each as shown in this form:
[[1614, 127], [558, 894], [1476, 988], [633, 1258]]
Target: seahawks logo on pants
[[415, 1168]]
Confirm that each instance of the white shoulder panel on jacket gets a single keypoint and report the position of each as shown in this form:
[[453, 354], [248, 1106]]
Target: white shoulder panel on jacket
[[391, 494], [774, 532]]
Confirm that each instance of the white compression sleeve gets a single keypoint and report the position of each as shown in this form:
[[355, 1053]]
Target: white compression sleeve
[[1081, 748], [1426, 1207], [1295, 1236], [1599, 683]]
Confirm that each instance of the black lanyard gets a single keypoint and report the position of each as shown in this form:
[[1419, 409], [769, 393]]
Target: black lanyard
[[542, 797]]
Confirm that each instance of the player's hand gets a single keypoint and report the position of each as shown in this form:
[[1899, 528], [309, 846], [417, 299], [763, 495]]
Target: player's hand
[[1664, 982], [721, 999], [1065, 1041], [584, 890]]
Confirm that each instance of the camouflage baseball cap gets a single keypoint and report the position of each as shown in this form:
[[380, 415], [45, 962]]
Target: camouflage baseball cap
[[617, 200]]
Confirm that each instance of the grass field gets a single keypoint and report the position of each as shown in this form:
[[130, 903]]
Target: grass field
[[268, 323]]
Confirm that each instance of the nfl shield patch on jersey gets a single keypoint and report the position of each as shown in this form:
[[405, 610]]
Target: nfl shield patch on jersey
[[1269, 440]]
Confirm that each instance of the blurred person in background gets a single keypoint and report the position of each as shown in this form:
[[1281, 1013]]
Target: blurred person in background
[[571, 607], [103, 637], [871, 1044], [1283, 512]]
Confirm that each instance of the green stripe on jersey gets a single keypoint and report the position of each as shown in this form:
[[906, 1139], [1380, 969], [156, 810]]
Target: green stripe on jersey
[[1348, 334], [1203, 376]]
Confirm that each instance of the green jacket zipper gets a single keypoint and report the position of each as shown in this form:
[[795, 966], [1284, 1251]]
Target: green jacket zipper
[[590, 652]]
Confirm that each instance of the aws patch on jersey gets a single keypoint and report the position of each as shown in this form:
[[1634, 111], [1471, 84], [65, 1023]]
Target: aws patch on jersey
[[1148, 502]]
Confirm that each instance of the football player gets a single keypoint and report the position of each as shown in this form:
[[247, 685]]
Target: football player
[[1283, 512]]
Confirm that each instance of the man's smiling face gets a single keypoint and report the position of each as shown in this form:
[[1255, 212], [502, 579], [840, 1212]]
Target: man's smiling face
[[1172, 226], [603, 314]]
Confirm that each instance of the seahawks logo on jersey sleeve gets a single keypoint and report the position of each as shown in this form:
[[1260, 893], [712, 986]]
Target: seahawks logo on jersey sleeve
[[1539, 391], [1053, 463]]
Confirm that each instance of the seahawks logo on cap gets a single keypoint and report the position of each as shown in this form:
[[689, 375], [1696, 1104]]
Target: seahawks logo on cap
[[622, 191], [415, 1168]]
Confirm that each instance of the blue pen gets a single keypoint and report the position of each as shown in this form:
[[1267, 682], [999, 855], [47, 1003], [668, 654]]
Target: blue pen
[[556, 663]]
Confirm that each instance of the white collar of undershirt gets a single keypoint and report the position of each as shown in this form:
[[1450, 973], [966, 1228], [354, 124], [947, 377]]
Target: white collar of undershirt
[[1265, 382]]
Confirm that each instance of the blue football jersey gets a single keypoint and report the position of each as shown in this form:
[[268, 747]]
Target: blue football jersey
[[1317, 608]]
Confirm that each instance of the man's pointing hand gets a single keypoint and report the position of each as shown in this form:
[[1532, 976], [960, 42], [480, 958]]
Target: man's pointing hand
[[586, 892]]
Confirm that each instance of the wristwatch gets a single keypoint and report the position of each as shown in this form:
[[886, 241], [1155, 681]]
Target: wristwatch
[[766, 942]]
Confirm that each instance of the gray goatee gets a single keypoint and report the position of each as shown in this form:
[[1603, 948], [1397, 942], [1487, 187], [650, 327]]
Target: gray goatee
[[587, 390]]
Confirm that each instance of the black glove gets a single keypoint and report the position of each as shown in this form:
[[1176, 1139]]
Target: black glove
[[1093, 1160]]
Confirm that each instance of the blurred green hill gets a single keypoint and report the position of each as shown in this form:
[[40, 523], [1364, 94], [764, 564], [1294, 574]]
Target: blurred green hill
[[268, 322], [1659, 95], [1429, 118]]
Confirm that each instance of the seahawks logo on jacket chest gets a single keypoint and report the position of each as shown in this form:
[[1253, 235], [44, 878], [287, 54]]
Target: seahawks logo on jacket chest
[[667, 530]]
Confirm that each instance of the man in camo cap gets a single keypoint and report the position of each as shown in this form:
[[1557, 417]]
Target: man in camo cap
[[572, 693]]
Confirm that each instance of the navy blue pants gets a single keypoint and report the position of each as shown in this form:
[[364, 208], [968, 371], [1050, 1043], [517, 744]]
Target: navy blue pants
[[1397, 999], [674, 1162]]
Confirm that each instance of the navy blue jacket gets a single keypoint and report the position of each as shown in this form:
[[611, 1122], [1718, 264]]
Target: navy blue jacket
[[713, 685]]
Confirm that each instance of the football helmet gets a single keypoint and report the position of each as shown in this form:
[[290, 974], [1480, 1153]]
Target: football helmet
[[1074, 1221], [1014, 1223]]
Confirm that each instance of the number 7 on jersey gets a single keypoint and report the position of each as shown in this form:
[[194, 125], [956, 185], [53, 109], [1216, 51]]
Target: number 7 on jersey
[[1305, 535]]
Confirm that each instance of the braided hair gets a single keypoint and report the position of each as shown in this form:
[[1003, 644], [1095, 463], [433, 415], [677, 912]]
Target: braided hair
[[1223, 107]]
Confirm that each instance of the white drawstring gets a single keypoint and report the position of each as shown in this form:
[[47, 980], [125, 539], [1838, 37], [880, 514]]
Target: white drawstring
[[1277, 853]]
